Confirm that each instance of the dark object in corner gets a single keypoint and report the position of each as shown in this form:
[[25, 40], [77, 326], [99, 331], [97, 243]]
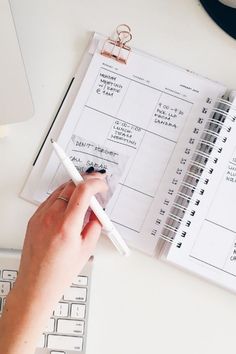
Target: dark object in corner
[[223, 15]]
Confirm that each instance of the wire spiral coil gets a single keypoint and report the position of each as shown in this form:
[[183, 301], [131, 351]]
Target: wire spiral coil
[[193, 184]]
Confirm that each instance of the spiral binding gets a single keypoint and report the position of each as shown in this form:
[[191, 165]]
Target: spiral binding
[[208, 148]]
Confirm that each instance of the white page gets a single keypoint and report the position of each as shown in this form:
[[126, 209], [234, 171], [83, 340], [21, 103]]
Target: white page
[[210, 246], [141, 110]]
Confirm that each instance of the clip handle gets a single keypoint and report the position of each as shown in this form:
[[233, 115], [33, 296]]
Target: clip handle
[[117, 49]]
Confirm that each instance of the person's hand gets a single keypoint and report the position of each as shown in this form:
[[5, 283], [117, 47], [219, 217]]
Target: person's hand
[[56, 246]]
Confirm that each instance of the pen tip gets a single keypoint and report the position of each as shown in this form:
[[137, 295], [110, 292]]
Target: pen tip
[[52, 141]]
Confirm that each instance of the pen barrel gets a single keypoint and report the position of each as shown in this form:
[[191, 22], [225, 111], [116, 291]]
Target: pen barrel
[[105, 221], [118, 242], [74, 174], [109, 228], [94, 204], [101, 215]]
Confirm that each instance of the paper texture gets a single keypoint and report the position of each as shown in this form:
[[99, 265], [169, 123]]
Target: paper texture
[[85, 154], [210, 246], [145, 110]]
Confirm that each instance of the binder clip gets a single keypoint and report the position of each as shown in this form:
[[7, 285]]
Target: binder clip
[[117, 49]]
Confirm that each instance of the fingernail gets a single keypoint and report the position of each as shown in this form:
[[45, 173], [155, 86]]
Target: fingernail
[[102, 171], [90, 169]]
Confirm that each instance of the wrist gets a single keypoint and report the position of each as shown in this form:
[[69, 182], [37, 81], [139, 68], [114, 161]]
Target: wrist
[[22, 309], [30, 300], [20, 325]]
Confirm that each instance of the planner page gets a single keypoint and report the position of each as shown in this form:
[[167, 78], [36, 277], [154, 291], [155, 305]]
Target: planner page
[[145, 110], [209, 248]]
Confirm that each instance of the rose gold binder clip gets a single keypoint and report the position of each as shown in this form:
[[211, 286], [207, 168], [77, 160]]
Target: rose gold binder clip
[[117, 49]]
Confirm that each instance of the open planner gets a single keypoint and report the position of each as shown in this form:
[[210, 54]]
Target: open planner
[[172, 133]]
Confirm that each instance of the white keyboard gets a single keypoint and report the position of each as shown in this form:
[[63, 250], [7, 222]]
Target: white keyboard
[[66, 331]]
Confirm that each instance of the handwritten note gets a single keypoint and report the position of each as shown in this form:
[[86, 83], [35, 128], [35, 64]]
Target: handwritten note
[[84, 154], [167, 115], [231, 171], [233, 253], [108, 91], [222, 210], [138, 110], [108, 85], [125, 133]]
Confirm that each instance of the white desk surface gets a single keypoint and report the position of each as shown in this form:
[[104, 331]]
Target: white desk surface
[[139, 305]]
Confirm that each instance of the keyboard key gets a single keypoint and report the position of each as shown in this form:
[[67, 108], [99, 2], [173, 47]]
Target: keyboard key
[[66, 330], [81, 280], [78, 311], [70, 327], [5, 287], [65, 342], [50, 326], [61, 310], [41, 341], [9, 274], [76, 294]]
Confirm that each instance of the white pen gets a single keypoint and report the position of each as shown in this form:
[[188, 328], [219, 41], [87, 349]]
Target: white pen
[[108, 226]]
